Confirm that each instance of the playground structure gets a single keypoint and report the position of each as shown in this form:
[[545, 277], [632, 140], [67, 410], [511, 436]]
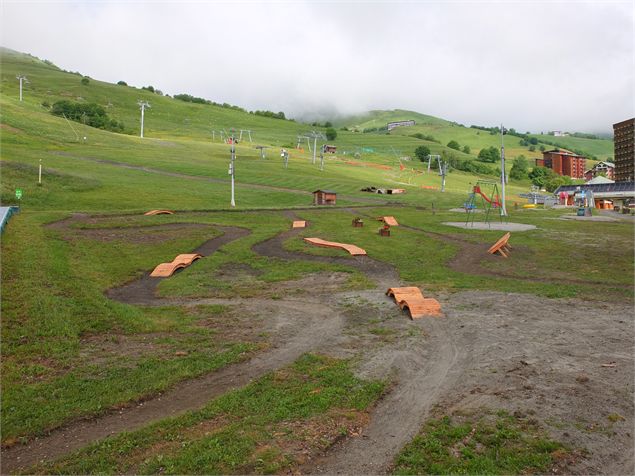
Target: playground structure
[[384, 230], [502, 246], [352, 249], [412, 299], [165, 270], [490, 200], [357, 222], [159, 212]]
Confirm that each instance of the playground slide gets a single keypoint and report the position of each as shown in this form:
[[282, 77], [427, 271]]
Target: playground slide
[[352, 249], [159, 212], [181, 261], [494, 201]]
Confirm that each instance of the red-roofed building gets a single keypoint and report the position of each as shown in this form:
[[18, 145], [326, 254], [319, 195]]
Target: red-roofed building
[[563, 162]]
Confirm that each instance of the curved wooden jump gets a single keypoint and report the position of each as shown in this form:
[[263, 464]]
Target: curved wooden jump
[[501, 246], [412, 299], [352, 249], [389, 221], [399, 294], [181, 261], [299, 224], [419, 308], [159, 212]]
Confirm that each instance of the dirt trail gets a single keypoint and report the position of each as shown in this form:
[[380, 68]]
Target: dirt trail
[[142, 290], [307, 331], [421, 373]]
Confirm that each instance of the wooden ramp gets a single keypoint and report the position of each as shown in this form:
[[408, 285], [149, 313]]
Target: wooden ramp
[[299, 224], [501, 246], [159, 212], [412, 299], [389, 221], [181, 261], [352, 249]]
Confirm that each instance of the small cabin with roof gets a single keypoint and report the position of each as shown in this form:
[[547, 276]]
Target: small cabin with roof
[[324, 197]]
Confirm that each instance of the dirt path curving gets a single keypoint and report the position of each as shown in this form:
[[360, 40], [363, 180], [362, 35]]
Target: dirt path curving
[[420, 372], [142, 291]]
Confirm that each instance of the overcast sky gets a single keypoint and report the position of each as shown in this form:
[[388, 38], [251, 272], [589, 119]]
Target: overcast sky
[[531, 65]]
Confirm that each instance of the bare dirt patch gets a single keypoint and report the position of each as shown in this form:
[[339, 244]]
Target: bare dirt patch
[[522, 353]]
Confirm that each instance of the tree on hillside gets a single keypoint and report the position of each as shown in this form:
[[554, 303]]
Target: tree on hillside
[[331, 133], [520, 169], [489, 154], [540, 175], [85, 81], [422, 152], [454, 145], [552, 183], [466, 149], [122, 83]]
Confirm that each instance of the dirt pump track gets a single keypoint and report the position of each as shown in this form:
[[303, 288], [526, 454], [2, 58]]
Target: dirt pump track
[[501, 350]]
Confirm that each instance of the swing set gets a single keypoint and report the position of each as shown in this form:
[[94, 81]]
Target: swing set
[[487, 193]]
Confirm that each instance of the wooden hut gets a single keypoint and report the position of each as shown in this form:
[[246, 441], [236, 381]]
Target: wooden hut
[[324, 197]]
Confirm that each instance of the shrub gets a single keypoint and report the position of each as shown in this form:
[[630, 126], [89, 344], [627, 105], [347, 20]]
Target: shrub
[[466, 149], [85, 81], [122, 83], [91, 114], [490, 154], [454, 145], [422, 152], [331, 133]]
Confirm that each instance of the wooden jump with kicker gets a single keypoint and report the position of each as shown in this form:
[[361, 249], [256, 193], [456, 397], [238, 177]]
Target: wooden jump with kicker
[[410, 298], [389, 220], [501, 246], [299, 224], [159, 212], [181, 261], [352, 249]]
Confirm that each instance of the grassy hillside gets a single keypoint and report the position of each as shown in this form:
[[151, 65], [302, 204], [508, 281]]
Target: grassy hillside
[[603, 149], [444, 131]]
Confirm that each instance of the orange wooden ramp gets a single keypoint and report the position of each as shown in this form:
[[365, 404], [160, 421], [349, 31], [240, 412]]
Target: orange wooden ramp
[[159, 212], [299, 224], [352, 249], [181, 261], [412, 299], [501, 246], [389, 221]]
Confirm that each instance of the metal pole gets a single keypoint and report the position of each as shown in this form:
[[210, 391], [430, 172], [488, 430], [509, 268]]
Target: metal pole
[[142, 111], [314, 147], [443, 166], [20, 78], [429, 160], [233, 158], [503, 174], [322, 158], [39, 178]]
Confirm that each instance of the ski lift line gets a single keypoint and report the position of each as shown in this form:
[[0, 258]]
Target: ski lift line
[[71, 126]]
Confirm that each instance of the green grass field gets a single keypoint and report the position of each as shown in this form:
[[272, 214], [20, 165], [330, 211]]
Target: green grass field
[[69, 352]]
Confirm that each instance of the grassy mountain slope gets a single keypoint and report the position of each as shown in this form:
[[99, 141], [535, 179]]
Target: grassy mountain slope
[[178, 141], [445, 131]]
